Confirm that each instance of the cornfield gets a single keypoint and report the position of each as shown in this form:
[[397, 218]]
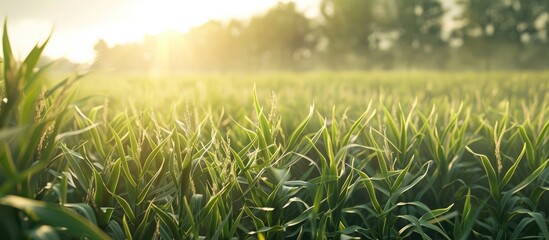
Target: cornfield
[[328, 156]]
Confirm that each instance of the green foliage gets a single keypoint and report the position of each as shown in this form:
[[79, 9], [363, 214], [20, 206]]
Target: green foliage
[[31, 119], [436, 157], [351, 34], [431, 159], [516, 26]]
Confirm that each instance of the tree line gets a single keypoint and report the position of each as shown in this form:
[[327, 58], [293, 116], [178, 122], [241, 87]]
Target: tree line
[[352, 34]]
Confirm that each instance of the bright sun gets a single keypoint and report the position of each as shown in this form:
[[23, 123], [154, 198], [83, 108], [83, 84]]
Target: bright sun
[[124, 21], [154, 16]]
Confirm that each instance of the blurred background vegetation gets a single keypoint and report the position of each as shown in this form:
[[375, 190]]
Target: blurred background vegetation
[[352, 35]]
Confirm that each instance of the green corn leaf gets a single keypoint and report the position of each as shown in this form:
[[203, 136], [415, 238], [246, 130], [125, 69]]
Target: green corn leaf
[[537, 193], [7, 165], [530, 152], [415, 226], [115, 231], [126, 227], [520, 227], [154, 152], [539, 219], [144, 229], [401, 176], [63, 84], [403, 132], [126, 208], [96, 137], [467, 221], [418, 225], [114, 177], [29, 64], [513, 168], [134, 145], [123, 159], [11, 82], [145, 190], [263, 122], [299, 219], [53, 215], [371, 191], [258, 223], [105, 215], [392, 124], [358, 125], [299, 129], [432, 214], [219, 231], [530, 178], [318, 197], [236, 223], [78, 169], [399, 191], [490, 172], [99, 188], [380, 157], [84, 210], [542, 134]]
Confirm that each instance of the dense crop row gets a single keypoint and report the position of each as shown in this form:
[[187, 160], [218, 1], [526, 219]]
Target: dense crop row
[[457, 160]]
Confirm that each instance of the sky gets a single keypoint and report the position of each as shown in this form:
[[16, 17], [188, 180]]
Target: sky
[[76, 25]]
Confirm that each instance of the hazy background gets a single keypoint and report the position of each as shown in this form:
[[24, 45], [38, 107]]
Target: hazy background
[[246, 35], [79, 24]]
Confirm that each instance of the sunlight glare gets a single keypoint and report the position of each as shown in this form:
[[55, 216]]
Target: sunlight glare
[[155, 16]]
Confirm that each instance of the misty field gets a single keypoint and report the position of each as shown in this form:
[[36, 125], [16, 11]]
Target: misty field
[[325, 155]]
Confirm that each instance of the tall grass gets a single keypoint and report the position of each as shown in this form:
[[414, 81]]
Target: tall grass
[[391, 161]]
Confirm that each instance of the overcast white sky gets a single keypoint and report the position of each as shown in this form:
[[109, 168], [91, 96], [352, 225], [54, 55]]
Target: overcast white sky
[[78, 24]]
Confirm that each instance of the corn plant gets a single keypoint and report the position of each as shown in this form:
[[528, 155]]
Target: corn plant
[[375, 157], [33, 184]]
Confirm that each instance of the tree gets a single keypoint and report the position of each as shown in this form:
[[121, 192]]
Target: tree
[[129, 56], [279, 39], [211, 46], [419, 26], [492, 25], [528, 17], [101, 54], [347, 26]]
